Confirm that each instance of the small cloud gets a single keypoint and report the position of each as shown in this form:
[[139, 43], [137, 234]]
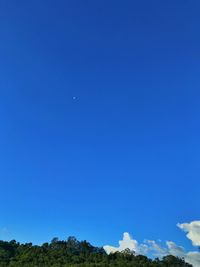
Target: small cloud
[[126, 242], [155, 248], [193, 231], [193, 258], [175, 250]]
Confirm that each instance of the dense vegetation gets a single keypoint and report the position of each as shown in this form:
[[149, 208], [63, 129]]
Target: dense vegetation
[[72, 253]]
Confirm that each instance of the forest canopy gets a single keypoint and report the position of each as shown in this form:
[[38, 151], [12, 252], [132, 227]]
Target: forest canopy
[[74, 253]]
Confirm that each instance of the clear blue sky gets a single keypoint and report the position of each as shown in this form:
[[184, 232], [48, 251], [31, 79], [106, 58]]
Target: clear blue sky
[[123, 155]]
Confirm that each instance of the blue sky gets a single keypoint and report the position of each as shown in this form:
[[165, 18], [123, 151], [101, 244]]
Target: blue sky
[[99, 110]]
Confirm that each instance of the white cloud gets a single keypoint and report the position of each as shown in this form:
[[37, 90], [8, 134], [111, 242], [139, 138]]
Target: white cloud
[[127, 242], [175, 250], [193, 258], [156, 249], [193, 231]]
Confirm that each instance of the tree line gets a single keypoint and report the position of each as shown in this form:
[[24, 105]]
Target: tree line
[[74, 253]]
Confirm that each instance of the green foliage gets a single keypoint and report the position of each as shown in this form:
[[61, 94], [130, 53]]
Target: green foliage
[[73, 253]]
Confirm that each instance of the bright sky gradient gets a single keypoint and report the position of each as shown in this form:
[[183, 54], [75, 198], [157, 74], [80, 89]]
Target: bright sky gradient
[[99, 112]]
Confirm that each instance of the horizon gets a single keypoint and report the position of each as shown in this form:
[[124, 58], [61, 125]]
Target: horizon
[[152, 249], [99, 109]]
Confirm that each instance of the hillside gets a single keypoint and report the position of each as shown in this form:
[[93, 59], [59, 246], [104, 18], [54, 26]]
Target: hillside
[[73, 253]]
